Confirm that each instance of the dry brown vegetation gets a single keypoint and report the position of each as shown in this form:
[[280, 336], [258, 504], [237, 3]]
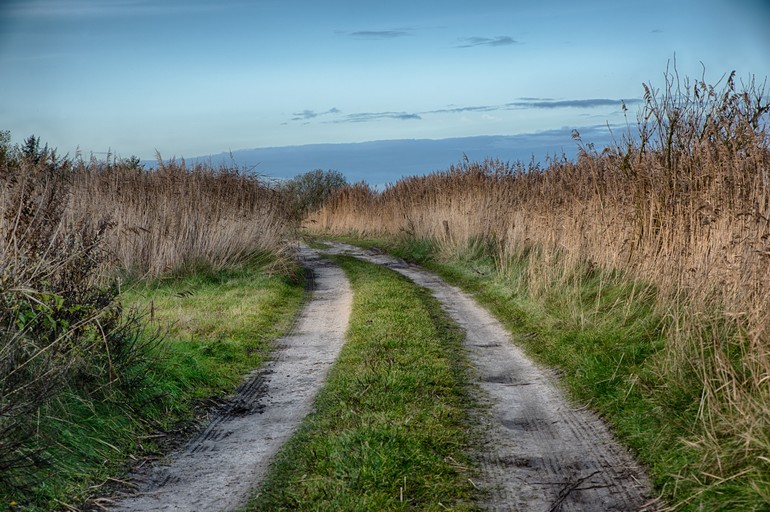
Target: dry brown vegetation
[[683, 205], [177, 216], [67, 230]]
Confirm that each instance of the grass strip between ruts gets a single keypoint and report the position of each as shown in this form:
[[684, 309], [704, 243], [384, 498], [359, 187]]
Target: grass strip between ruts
[[390, 427]]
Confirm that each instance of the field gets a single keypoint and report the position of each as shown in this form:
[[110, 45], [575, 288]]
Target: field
[[644, 265], [132, 301]]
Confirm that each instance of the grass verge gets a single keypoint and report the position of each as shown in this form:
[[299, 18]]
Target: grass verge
[[207, 329], [390, 428], [218, 324]]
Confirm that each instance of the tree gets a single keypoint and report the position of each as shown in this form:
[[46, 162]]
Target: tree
[[309, 191], [133, 162], [6, 149], [32, 151]]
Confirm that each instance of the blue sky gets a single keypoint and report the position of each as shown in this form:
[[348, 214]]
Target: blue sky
[[191, 77]]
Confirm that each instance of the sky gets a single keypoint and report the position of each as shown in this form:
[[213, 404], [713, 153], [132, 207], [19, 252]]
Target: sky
[[191, 77]]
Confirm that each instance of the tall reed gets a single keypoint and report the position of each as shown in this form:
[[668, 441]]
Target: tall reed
[[681, 202], [176, 216]]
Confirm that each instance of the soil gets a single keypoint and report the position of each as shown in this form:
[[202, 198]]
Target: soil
[[541, 452]]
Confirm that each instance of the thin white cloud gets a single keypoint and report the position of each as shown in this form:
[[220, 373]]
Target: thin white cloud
[[379, 34], [470, 42], [584, 103], [460, 110], [98, 9], [520, 104]]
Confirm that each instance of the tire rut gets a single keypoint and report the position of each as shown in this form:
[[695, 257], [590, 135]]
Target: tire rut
[[540, 454], [219, 469]]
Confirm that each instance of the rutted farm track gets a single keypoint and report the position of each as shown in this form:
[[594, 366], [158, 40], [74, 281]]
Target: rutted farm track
[[540, 452], [218, 469]]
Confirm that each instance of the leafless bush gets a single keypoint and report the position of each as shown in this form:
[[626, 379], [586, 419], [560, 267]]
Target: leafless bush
[[50, 309]]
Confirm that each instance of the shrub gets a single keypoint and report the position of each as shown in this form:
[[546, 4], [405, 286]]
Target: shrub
[[310, 190]]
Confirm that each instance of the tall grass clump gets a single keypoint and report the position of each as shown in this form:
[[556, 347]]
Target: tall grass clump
[[681, 203], [75, 367], [178, 216]]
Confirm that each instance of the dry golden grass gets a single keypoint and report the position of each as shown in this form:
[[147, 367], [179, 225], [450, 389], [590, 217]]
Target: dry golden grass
[[685, 205], [178, 216]]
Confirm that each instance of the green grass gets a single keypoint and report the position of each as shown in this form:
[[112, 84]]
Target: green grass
[[210, 329], [601, 333], [391, 423], [218, 325], [315, 244]]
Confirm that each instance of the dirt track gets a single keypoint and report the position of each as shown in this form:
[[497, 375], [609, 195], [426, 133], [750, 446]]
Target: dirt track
[[542, 454]]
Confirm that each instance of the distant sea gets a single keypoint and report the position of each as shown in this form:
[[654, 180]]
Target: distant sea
[[386, 161]]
